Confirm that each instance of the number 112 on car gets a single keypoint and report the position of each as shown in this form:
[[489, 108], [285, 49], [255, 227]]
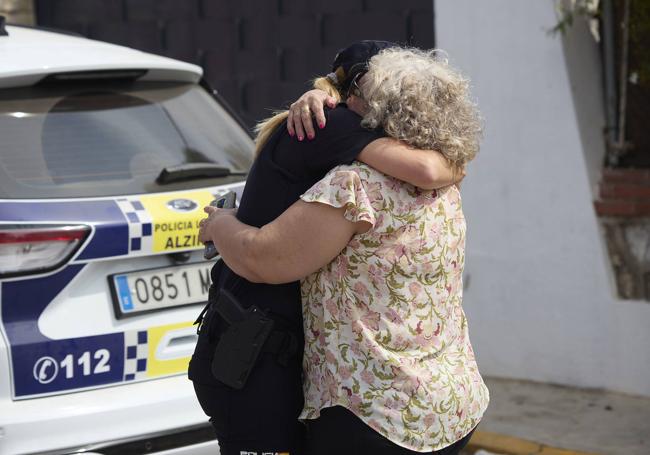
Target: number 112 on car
[[158, 289]]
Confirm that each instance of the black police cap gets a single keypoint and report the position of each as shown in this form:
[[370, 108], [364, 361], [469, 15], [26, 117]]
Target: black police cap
[[352, 60]]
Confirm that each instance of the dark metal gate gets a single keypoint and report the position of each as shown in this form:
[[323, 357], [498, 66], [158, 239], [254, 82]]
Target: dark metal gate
[[260, 54]]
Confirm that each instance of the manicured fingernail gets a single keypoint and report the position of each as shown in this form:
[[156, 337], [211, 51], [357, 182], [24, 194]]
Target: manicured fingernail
[[292, 134], [321, 125], [310, 136], [300, 138]]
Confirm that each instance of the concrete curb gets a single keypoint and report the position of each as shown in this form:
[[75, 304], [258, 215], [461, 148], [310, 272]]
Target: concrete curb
[[509, 445]]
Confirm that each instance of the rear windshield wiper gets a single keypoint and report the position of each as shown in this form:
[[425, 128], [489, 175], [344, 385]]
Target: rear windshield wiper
[[192, 171]]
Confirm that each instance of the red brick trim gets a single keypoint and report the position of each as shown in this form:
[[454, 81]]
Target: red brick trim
[[622, 208], [626, 175], [624, 193]]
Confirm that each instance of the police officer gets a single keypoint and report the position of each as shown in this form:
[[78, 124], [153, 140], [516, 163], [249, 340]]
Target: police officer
[[259, 415]]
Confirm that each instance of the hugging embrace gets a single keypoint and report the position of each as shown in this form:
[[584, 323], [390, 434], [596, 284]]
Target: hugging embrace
[[351, 242]]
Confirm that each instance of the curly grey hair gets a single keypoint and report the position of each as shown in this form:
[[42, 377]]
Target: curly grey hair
[[416, 96]]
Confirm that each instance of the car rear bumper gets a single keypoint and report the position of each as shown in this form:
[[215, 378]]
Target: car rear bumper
[[197, 440], [158, 416]]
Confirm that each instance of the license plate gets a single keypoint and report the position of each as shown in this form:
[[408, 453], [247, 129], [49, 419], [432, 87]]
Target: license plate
[[158, 289]]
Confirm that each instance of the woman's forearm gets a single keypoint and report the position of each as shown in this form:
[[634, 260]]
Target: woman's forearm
[[300, 241], [425, 169], [235, 241], [255, 254]]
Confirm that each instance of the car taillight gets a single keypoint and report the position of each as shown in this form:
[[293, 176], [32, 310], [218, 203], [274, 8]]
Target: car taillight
[[34, 249]]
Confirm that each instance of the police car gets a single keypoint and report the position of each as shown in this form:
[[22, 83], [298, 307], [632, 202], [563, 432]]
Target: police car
[[107, 157]]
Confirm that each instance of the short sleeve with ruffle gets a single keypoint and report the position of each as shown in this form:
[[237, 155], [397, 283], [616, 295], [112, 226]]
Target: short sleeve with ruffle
[[344, 186]]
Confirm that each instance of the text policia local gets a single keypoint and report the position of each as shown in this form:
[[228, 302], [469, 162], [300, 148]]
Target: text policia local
[[180, 234]]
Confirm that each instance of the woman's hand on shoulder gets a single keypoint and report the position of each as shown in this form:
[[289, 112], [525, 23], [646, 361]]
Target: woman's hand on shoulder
[[300, 122]]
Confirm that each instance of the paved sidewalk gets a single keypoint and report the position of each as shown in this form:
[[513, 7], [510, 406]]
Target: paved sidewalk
[[535, 418]]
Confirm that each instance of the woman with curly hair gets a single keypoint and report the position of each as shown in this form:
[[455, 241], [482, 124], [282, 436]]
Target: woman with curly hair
[[258, 412], [388, 366]]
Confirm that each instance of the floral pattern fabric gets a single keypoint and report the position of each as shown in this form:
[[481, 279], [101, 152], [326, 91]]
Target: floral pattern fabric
[[385, 332]]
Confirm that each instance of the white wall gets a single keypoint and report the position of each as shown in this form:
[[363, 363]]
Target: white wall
[[540, 297]]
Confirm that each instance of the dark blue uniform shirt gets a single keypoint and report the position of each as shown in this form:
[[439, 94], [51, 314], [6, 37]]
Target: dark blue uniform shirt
[[284, 170]]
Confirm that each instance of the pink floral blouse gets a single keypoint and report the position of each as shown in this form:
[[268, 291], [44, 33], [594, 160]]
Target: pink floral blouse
[[385, 332]]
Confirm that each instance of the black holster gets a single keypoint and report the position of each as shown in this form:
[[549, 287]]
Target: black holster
[[238, 345], [241, 342]]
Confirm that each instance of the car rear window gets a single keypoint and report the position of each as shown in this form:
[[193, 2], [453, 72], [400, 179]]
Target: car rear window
[[87, 140]]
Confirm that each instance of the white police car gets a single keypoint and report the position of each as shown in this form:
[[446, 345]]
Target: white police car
[[107, 157]]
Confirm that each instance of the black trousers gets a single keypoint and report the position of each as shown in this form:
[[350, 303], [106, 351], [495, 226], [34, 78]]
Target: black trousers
[[263, 416], [339, 431]]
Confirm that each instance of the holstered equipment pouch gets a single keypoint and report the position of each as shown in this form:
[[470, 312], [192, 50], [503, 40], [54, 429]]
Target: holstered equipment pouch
[[241, 343]]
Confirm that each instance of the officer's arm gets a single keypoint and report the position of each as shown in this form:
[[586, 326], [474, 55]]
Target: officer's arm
[[306, 237], [425, 169]]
